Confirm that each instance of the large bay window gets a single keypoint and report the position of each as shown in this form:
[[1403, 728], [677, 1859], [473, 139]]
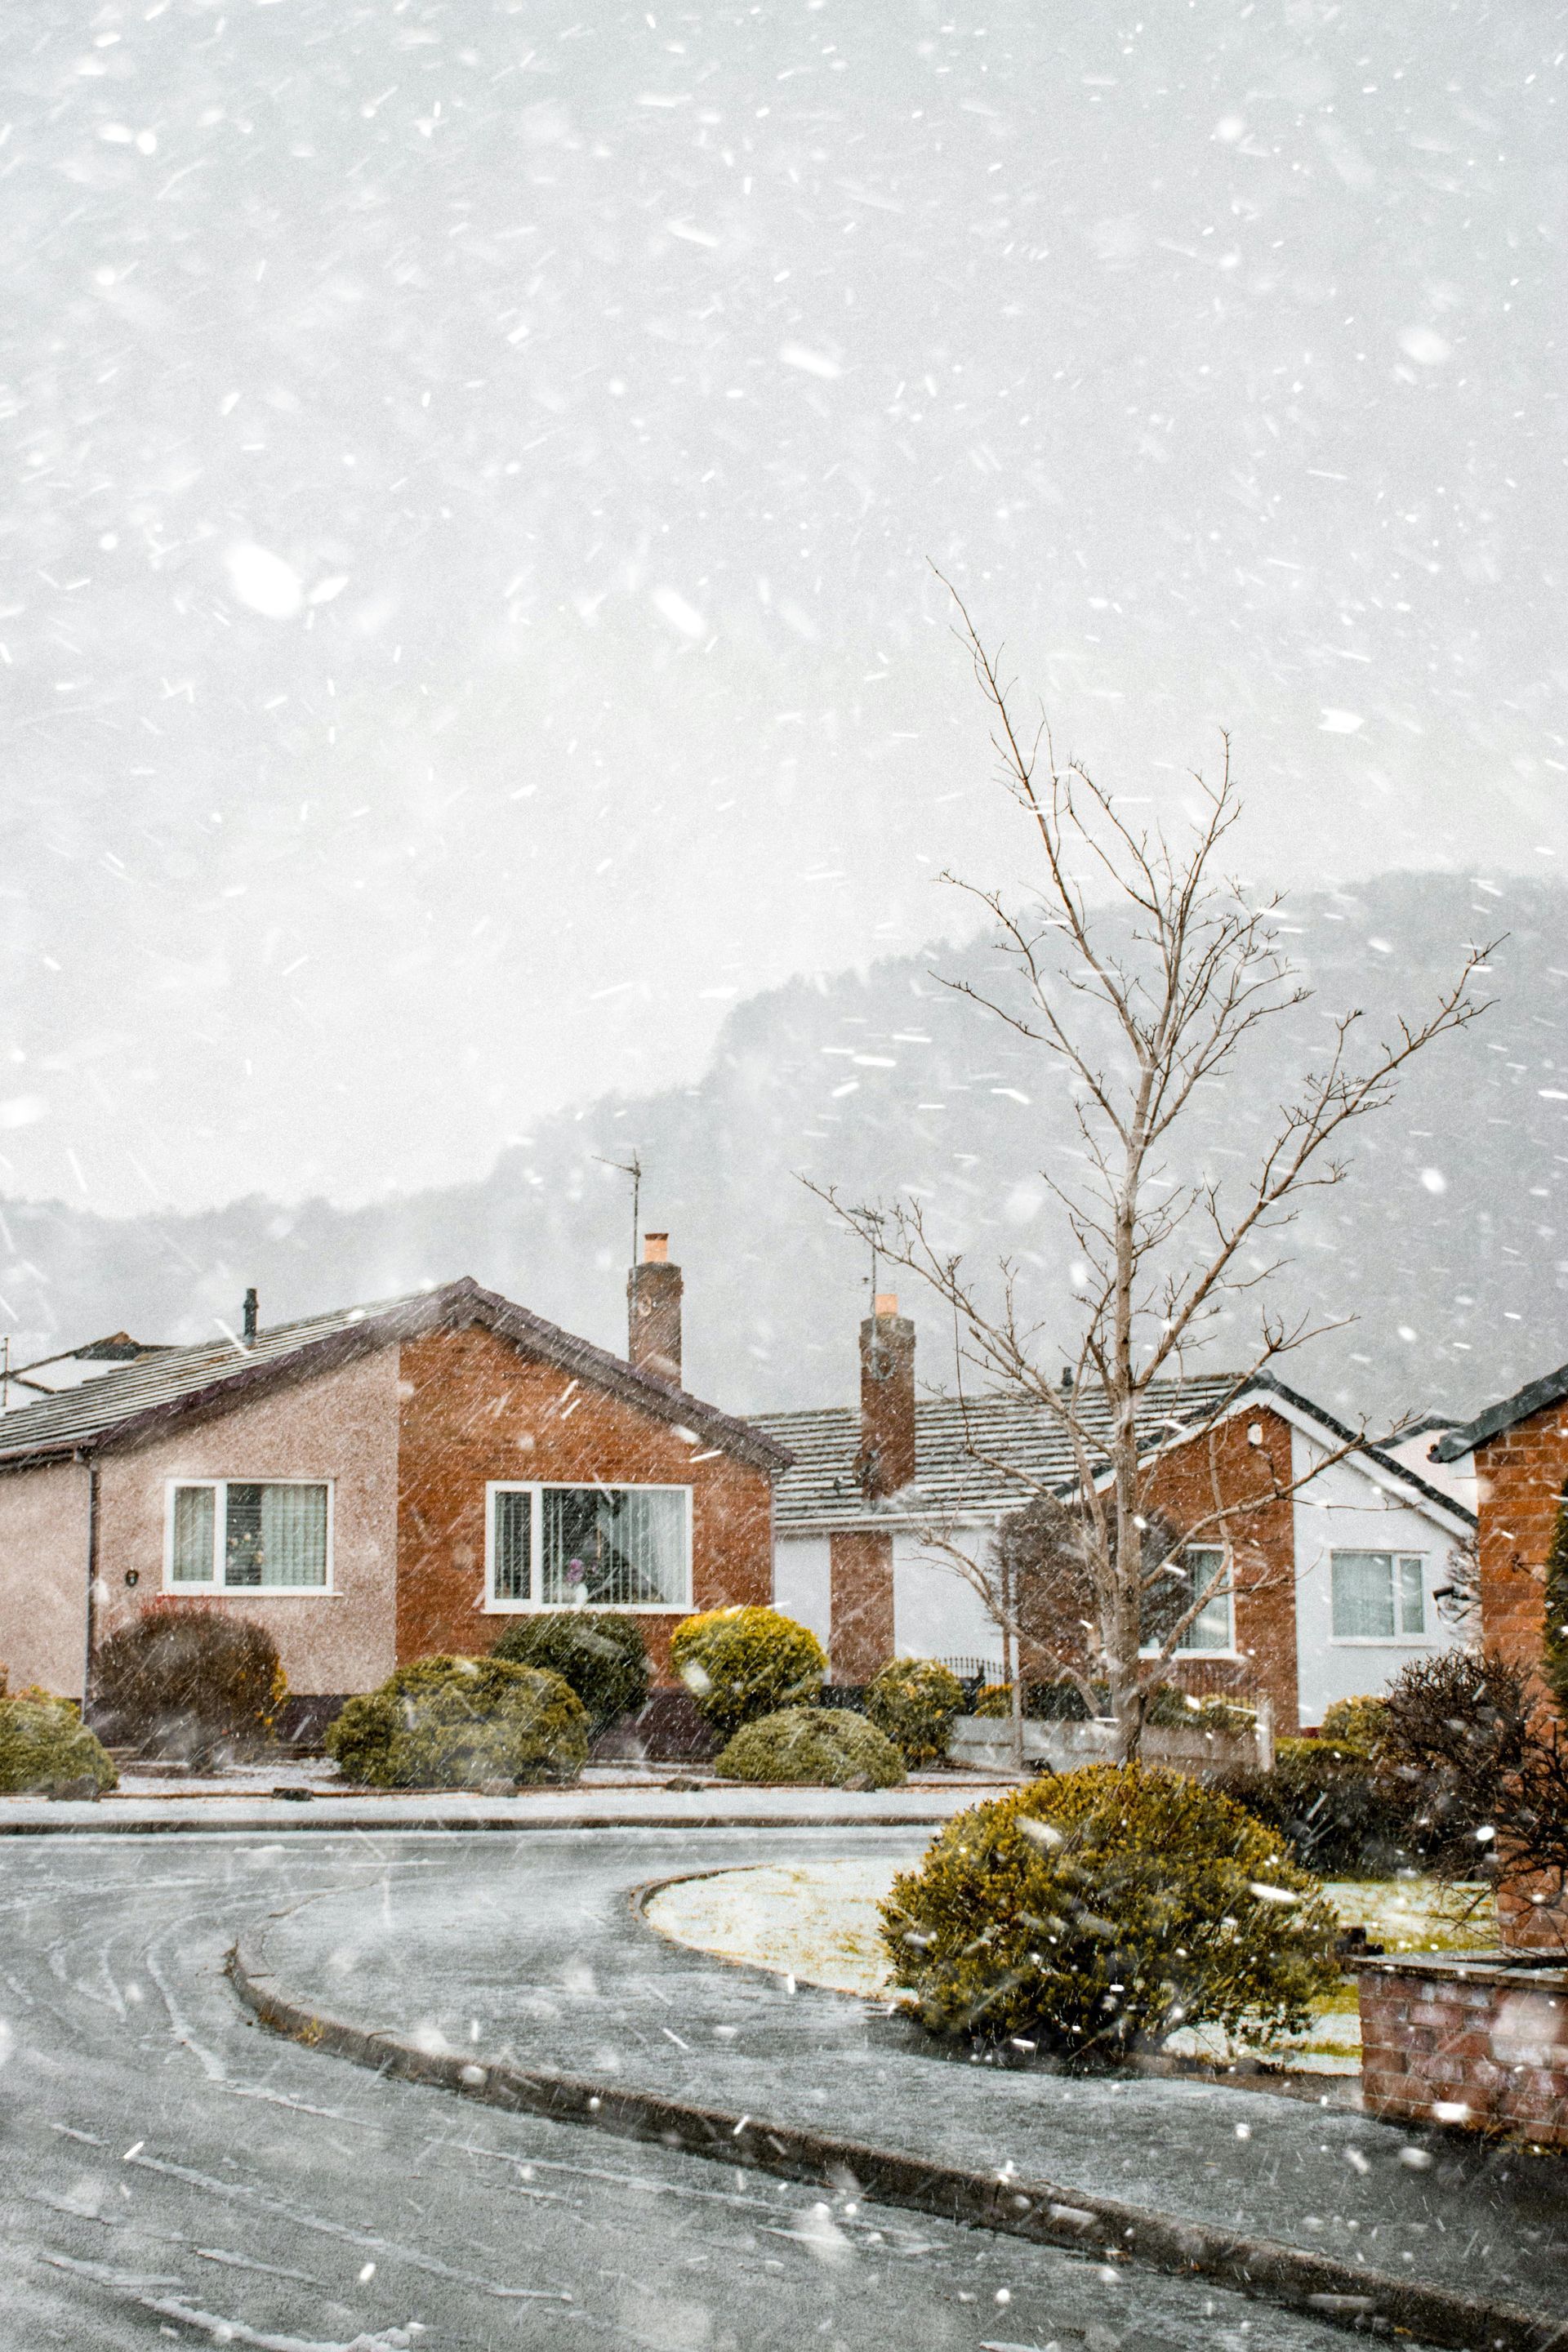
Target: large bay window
[[1379, 1596], [233, 1535], [1188, 1576], [600, 1546]]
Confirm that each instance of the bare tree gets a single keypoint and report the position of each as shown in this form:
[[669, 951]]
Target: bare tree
[[1141, 969]]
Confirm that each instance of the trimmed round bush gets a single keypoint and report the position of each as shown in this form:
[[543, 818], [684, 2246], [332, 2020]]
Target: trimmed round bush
[[453, 1723], [596, 1653], [740, 1664], [821, 1745], [188, 1682], [1095, 1912], [916, 1702], [45, 1749]]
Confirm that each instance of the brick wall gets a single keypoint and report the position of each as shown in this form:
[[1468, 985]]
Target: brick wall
[[1462, 2043], [474, 1408], [861, 1575], [1264, 1539], [1520, 1476]]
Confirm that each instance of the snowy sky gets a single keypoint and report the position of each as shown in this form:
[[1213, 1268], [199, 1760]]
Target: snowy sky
[[475, 466]]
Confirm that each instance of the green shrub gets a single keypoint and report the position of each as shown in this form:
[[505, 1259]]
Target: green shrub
[[916, 1702], [740, 1664], [451, 1723], [1338, 1813], [596, 1653], [1356, 1723], [1171, 1709], [188, 1682], [993, 1699], [1460, 1748], [821, 1745], [46, 1750], [1095, 1912]]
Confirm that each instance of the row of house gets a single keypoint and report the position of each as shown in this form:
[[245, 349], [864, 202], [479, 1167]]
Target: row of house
[[391, 1480]]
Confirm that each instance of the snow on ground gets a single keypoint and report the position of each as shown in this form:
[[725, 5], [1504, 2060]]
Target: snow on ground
[[815, 1920], [818, 1921]]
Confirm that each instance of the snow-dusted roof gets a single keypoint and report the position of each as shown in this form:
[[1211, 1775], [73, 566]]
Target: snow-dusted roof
[[138, 1398], [24, 1383], [957, 1444], [964, 1451]]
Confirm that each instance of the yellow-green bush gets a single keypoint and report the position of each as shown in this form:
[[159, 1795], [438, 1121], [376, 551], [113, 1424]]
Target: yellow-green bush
[[916, 1702], [45, 1751], [1360, 1723], [740, 1664], [451, 1723], [1094, 1913], [994, 1699], [813, 1744]]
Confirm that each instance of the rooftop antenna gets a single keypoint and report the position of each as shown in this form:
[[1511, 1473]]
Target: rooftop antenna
[[875, 1353], [631, 1168]]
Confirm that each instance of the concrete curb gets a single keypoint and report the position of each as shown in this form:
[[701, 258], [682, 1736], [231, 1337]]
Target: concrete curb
[[1341, 2091], [360, 1824], [1262, 2268]]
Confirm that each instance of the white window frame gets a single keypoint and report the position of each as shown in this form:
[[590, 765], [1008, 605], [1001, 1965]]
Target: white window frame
[[1398, 1640], [1183, 1650], [214, 1583], [496, 1606]]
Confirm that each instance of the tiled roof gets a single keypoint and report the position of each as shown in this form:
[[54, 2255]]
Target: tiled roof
[[957, 1447], [140, 1397], [963, 1452]]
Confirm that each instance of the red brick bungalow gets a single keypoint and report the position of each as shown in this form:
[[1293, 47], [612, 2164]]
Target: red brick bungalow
[[379, 1484], [1341, 1549]]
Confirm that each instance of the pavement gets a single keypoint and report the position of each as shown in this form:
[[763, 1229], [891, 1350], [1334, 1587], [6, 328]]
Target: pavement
[[174, 2174], [296, 1798], [534, 1952]]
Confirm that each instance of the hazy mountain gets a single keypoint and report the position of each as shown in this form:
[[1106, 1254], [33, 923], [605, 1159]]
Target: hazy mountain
[[1443, 1240]]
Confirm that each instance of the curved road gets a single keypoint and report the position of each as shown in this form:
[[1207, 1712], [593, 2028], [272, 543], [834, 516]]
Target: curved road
[[171, 2171]]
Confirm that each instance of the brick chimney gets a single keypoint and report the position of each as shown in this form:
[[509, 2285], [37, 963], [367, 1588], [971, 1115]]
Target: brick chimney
[[886, 1461], [653, 1312]]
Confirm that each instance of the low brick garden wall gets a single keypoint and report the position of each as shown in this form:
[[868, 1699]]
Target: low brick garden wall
[[1482, 2042]]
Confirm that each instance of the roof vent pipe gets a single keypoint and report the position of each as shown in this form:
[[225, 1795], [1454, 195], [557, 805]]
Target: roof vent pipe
[[249, 1326]]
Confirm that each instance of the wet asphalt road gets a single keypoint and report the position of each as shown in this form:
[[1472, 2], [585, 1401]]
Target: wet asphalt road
[[172, 2172]]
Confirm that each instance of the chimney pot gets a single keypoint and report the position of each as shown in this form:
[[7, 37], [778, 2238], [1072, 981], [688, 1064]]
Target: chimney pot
[[656, 1249], [249, 1322], [885, 1303]]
